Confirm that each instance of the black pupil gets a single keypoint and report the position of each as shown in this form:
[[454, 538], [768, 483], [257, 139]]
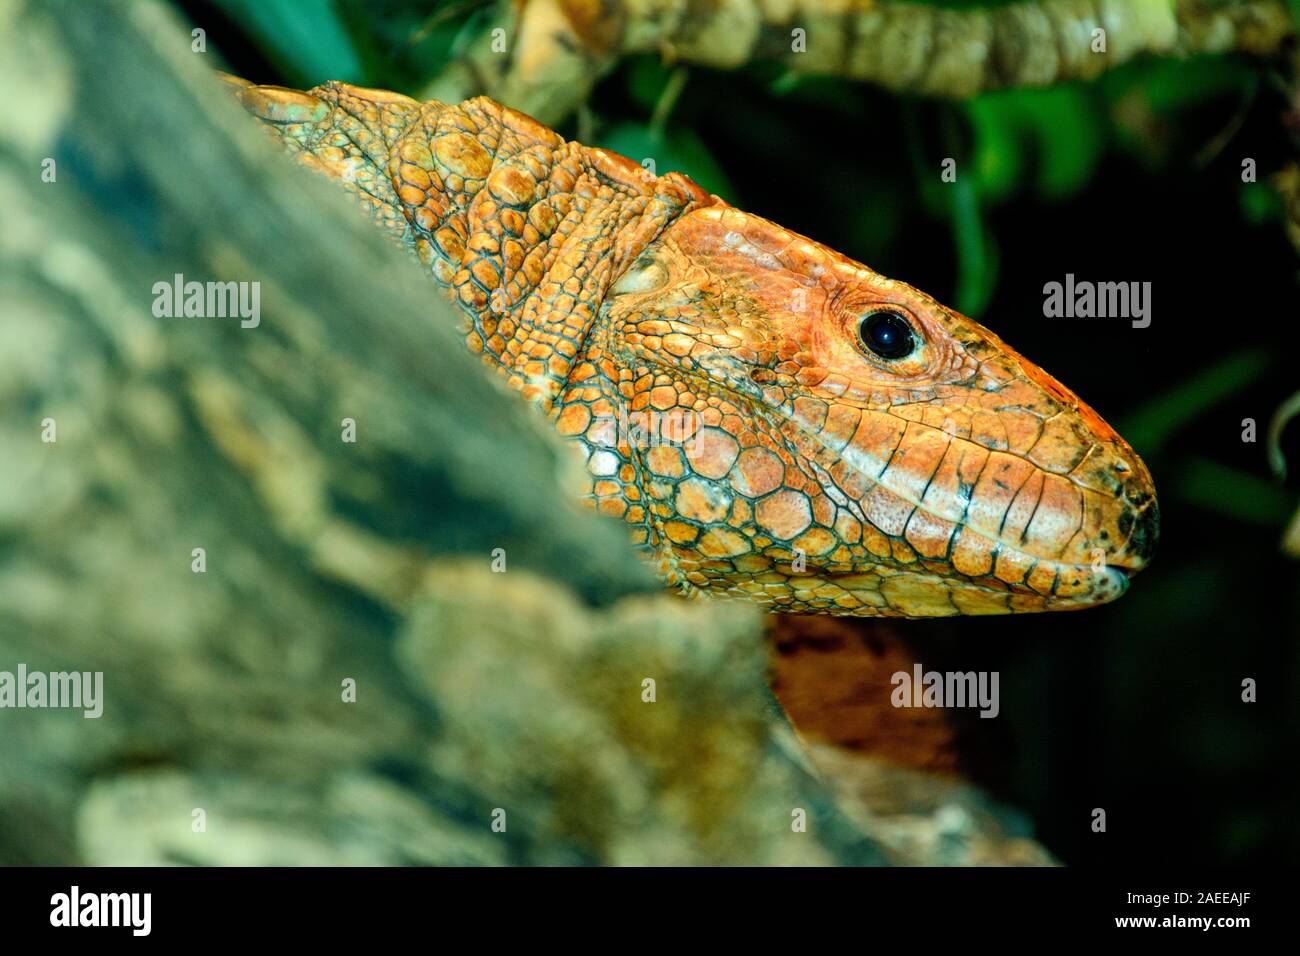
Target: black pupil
[[887, 334]]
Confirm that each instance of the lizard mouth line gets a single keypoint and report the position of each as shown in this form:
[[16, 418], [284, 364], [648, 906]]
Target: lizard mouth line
[[1077, 576], [940, 594], [1121, 558]]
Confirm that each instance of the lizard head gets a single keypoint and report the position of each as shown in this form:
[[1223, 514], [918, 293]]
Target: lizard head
[[852, 446], [838, 442]]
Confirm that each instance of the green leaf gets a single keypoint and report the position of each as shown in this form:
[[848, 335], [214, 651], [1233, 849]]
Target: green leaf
[[1237, 494], [1159, 419], [306, 37], [1174, 85], [1068, 134], [646, 78], [997, 158], [678, 149], [976, 253], [1059, 129], [882, 204], [1260, 203]]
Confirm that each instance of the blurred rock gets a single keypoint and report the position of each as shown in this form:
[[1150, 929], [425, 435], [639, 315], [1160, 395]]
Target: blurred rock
[[926, 820]]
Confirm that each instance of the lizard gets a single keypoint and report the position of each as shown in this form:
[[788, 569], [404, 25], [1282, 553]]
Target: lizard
[[774, 421]]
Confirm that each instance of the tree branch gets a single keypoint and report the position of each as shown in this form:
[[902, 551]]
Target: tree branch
[[556, 50]]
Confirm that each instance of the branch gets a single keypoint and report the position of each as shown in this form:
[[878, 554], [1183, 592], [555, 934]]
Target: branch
[[558, 49]]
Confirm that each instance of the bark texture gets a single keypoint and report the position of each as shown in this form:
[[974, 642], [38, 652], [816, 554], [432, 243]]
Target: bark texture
[[544, 56]]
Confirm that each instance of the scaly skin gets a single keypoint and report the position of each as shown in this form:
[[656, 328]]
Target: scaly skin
[[708, 363]]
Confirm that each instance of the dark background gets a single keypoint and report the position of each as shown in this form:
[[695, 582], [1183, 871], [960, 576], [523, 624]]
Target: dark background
[[1134, 707]]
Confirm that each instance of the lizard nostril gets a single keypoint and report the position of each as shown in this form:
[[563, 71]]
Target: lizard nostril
[[1143, 529]]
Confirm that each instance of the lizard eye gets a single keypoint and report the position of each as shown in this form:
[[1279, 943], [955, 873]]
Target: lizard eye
[[887, 334]]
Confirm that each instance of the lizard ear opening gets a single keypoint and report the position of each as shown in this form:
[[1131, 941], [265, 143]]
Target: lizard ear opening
[[644, 275]]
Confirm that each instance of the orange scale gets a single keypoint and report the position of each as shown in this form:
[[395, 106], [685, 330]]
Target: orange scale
[[614, 507], [784, 514], [902, 552]]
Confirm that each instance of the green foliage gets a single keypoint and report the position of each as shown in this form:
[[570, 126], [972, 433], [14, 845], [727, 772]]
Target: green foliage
[[655, 88], [646, 77], [1171, 87], [976, 251], [306, 38], [1059, 132], [1235, 494], [1162, 111], [1153, 424], [677, 149], [967, 4], [1260, 203]]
